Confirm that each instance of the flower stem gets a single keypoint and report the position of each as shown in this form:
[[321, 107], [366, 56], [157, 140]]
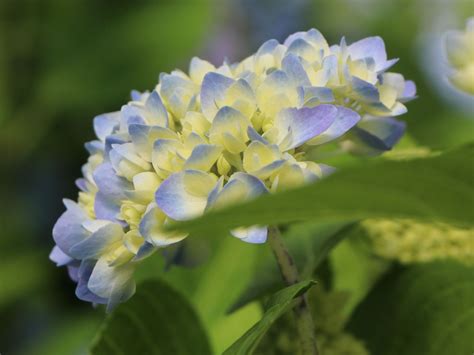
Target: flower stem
[[290, 274]]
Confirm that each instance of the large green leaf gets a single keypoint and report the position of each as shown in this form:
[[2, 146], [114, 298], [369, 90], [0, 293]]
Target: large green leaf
[[277, 305], [308, 243], [422, 310], [439, 187], [157, 320]]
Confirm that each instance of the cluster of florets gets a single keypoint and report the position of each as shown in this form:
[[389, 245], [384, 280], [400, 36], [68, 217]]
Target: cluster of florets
[[460, 53], [408, 241], [216, 136]]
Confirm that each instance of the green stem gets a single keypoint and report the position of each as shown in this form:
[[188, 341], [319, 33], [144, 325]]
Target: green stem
[[290, 274]]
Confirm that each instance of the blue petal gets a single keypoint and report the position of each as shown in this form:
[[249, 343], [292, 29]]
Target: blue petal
[[133, 113], [241, 187], [409, 93], [254, 136], [151, 228], [73, 270], [345, 120], [111, 140], [314, 95], [81, 184], [143, 137], [94, 147], [106, 124], [136, 95], [292, 66], [115, 283], [254, 235], [313, 36], [68, 230], [213, 89], [296, 126], [203, 157], [100, 241], [370, 47], [59, 257], [157, 112], [176, 197], [326, 169], [145, 250], [301, 48], [365, 91], [82, 290], [106, 207], [267, 48], [109, 183], [177, 92], [380, 133]]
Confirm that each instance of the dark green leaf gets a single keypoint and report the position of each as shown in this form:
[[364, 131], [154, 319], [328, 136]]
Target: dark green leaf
[[433, 188], [157, 320], [308, 243], [422, 310], [277, 305]]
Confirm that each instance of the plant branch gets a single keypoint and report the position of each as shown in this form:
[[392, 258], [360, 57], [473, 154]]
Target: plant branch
[[290, 275]]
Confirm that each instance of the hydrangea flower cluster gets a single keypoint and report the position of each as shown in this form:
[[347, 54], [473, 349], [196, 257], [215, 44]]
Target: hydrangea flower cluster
[[409, 241], [216, 136], [460, 53]]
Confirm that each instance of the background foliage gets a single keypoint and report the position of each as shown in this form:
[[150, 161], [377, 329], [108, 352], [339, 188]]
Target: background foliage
[[63, 62]]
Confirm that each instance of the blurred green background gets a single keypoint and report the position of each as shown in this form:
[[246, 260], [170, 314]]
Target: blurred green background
[[63, 62]]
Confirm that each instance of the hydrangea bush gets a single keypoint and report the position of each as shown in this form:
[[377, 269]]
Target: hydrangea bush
[[219, 135]]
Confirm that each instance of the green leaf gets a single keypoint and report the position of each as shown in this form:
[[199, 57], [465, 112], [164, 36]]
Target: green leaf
[[277, 305], [219, 273], [425, 309], [439, 187], [157, 320], [308, 243]]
